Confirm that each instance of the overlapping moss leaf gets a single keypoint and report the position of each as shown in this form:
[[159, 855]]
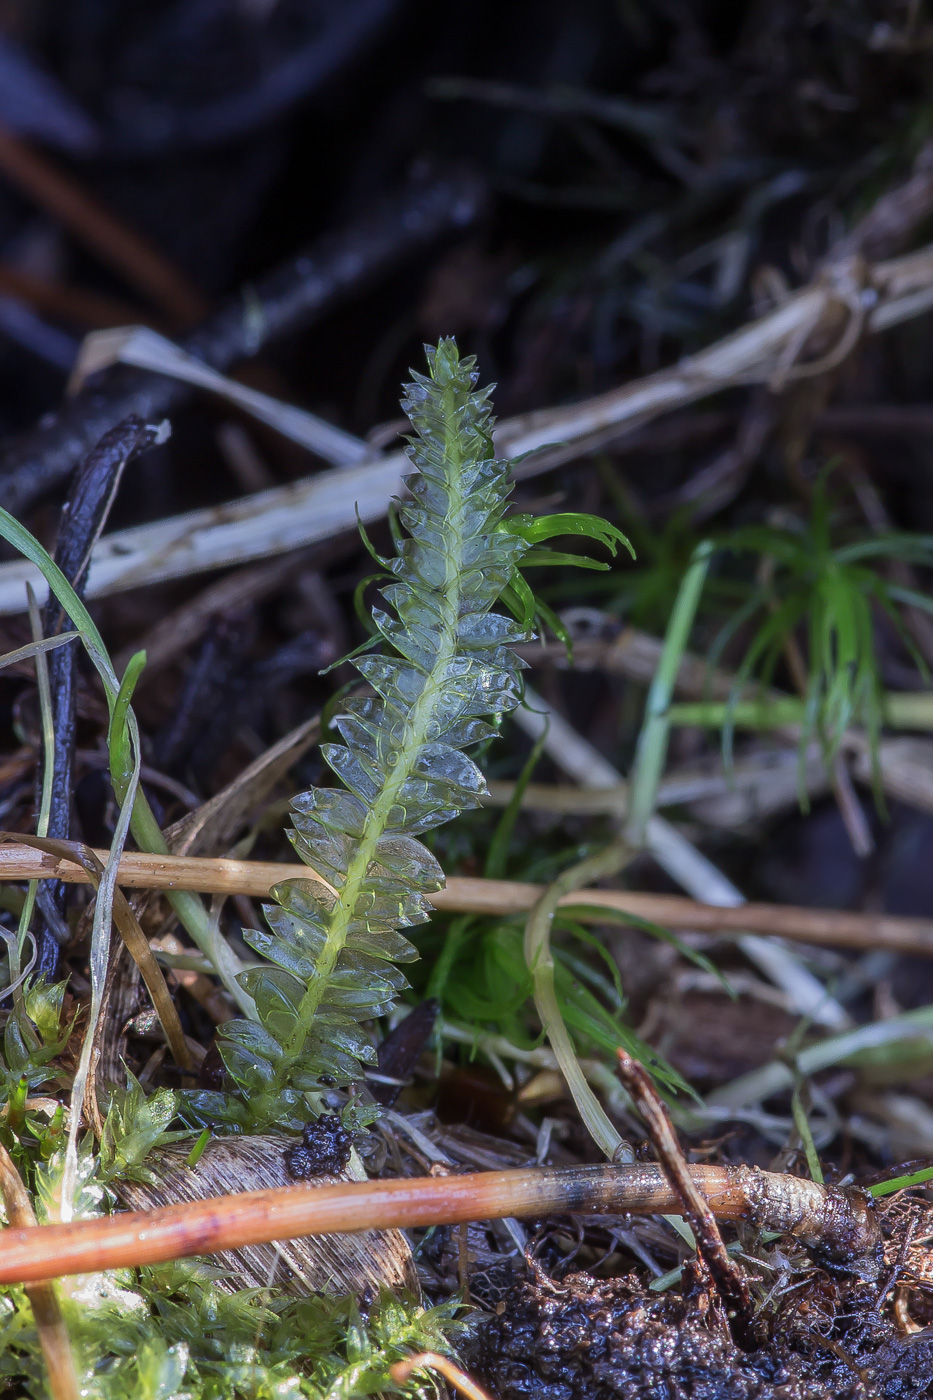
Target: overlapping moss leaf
[[330, 950]]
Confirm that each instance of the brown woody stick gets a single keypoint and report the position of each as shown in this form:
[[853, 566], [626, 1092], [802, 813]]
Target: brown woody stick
[[465, 895], [840, 1221]]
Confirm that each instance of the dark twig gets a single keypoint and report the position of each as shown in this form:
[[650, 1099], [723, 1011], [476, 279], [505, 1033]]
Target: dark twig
[[282, 303], [728, 1278], [83, 517], [321, 51]]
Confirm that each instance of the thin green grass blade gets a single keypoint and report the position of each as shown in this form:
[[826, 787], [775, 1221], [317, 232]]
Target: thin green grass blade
[[651, 750], [145, 828], [805, 1133], [498, 853], [901, 1183]]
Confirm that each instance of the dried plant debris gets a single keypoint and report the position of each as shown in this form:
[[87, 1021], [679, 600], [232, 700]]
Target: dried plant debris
[[375, 1260]]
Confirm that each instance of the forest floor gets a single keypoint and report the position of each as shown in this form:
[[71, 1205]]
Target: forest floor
[[690, 246]]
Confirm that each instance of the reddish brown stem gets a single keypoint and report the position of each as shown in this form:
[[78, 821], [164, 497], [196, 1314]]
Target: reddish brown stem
[[841, 1222], [402, 1372]]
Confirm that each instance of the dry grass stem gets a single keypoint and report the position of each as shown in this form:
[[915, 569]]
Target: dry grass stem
[[850, 297], [146, 349], [466, 895]]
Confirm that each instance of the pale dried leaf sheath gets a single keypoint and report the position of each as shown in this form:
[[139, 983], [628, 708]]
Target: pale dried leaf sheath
[[144, 348], [374, 1259]]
